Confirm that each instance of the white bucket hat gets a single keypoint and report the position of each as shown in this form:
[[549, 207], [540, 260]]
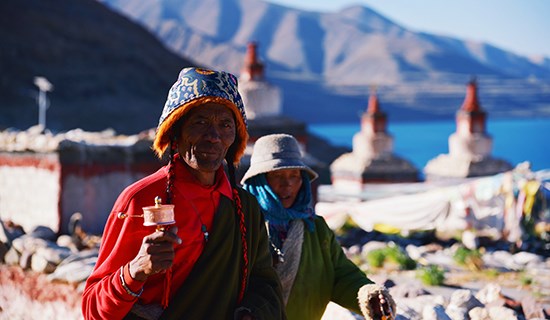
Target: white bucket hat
[[276, 152]]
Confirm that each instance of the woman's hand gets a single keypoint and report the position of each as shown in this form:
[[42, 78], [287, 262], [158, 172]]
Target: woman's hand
[[376, 302], [156, 254]]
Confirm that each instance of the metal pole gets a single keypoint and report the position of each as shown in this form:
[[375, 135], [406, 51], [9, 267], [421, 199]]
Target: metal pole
[[42, 109], [44, 86]]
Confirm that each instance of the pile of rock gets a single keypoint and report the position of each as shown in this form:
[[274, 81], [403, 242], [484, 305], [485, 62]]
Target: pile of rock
[[482, 299], [43, 273], [67, 258], [38, 140], [416, 303]]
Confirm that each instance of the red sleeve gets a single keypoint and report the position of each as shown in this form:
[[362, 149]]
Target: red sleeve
[[104, 297]]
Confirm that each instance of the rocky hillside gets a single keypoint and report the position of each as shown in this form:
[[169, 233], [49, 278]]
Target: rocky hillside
[[107, 71]]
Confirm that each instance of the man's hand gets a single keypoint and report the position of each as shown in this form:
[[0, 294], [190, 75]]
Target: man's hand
[[156, 254]]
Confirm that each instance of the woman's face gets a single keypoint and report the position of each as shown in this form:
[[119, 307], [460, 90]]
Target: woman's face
[[286, 184]]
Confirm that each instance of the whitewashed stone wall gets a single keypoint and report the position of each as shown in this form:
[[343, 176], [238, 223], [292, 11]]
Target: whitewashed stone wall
[[29, 196], [94, 197], [45, 178], [261, 99]]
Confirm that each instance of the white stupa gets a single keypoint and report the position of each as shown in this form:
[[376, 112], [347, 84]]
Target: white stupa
[[263, 103], [261, 99], [469, 147], [372, 159]]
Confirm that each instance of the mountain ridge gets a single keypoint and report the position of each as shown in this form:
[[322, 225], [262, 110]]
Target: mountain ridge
[[109, 71], [343, 54]]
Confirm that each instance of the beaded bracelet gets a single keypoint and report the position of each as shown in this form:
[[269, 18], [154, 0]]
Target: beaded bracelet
[[128, 291]]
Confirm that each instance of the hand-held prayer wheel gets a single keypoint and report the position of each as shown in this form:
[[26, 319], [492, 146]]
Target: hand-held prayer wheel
[[159, 215]]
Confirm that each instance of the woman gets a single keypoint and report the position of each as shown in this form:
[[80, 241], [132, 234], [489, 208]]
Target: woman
[[311, 264]]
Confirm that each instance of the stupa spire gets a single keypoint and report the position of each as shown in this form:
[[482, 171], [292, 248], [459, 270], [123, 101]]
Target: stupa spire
[[471, 102], [374, 105], [253, 69], [470, 118], [374, 119]]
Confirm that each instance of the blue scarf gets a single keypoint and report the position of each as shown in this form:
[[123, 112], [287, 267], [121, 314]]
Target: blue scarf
[[277, 216]]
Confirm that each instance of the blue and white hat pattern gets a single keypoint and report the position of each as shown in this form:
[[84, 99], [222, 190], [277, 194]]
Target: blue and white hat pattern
[[194, 83]]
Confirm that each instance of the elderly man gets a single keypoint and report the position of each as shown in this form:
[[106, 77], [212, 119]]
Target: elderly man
[[214, 261]]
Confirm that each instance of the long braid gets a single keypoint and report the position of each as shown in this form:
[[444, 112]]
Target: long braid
[[242, 224], [171, 175], [169, 199]]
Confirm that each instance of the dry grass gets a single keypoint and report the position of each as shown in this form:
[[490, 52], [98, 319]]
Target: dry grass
[[29, 295]]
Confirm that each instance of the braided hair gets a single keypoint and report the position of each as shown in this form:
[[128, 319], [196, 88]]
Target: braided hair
[[229, 159], [171, 175]]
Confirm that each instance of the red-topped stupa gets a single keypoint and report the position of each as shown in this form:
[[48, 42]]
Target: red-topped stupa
[[263, 102], [263, 105], [373, 141], [470, 146], [261, 99], [372, 159]]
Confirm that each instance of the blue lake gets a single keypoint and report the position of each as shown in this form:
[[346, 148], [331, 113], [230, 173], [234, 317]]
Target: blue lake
[[513, 140]]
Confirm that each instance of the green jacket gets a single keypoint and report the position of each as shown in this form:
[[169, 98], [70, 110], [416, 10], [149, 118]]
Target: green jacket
[[215, 278], [325, 274]]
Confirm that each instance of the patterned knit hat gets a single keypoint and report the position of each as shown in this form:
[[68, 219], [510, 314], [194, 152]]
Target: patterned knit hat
[[196, 87], [275, 152]]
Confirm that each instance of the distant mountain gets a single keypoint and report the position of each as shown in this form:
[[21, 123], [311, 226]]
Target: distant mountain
[[327, 61], [107, 71], [109, 68]]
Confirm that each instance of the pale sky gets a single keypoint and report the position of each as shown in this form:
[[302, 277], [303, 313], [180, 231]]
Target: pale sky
[[519, 26]]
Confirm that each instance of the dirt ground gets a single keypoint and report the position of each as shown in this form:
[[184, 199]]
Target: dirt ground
[[30, 295]]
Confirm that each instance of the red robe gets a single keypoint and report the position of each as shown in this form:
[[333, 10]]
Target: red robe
[[104, 296]]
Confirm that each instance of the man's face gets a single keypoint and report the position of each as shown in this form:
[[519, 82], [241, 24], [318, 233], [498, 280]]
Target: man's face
[[206, 134]]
